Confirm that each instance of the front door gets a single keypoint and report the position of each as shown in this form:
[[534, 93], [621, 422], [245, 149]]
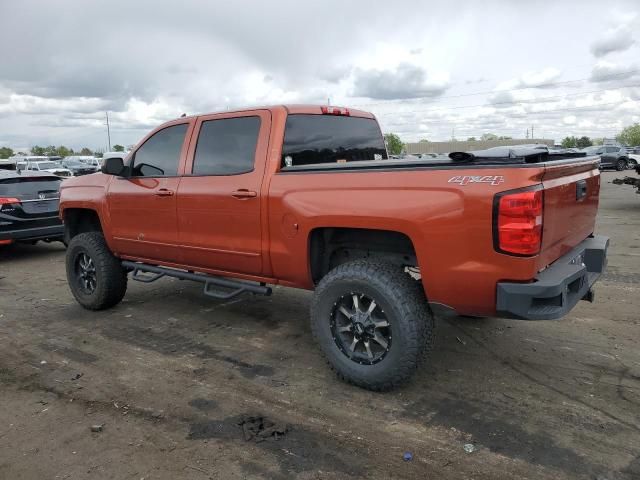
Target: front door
[[220, 198], [142, 205]]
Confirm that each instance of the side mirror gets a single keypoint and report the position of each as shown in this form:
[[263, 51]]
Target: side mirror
[[113, 166]]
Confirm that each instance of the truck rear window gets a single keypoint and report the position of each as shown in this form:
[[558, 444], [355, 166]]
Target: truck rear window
[[18, 185], [14, 187], [321, 139]]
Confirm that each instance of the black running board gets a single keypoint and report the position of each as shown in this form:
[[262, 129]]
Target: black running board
[[236, 286]]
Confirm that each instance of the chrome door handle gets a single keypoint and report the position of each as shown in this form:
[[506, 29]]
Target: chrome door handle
[[244, 193], [163, 192]]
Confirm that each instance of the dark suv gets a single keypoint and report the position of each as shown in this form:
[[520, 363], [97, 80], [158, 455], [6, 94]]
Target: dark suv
[[79, 168], [29, 207], [610, 156]]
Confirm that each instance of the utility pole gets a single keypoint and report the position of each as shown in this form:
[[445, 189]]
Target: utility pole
[[108, 131], [532, 131], [527, 134], [328, 100]]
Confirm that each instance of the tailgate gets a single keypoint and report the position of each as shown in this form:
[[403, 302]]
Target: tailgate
[[571, 195]]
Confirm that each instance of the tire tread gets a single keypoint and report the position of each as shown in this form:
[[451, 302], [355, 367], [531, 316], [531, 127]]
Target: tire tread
[[416, 317], [112, 284]]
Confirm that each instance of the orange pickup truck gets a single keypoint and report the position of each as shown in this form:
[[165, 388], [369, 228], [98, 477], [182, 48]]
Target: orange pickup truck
[[307, 197]]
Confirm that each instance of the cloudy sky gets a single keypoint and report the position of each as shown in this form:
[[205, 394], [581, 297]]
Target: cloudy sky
[[426, 69]]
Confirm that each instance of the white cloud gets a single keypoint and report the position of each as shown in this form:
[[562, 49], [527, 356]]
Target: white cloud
[[617, 39], [540, 78], [34, 105], [604, 71], [404, 81], [475, 68]]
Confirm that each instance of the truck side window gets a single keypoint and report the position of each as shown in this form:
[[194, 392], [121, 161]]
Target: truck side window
[[226, 146], [159, 156]]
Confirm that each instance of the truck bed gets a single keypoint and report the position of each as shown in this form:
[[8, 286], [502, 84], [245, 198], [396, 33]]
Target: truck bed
[[453, 160], [446, 207]]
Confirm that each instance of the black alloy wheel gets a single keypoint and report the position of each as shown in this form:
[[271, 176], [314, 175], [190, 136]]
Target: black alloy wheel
[[360, 329], [85, 271]]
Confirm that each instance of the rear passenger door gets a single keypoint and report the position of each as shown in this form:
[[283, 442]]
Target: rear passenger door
[[610, 156], [220, 198]]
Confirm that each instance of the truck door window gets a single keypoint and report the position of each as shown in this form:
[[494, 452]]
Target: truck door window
[[318, 139], [159, 156], [226, 146]]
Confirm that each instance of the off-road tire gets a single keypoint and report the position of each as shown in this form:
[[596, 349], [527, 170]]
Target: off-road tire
[[111, 278], [403, 301], [621, 164]]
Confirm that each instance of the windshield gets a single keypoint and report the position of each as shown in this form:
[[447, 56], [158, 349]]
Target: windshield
[[45, 165], [590, 150]]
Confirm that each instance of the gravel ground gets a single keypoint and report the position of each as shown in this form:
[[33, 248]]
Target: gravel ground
[[175, 380]]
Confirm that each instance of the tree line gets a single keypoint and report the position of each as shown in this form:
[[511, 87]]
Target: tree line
[[53, 151]]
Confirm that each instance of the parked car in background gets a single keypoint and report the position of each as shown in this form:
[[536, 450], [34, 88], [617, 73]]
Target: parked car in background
[[86, 159], [121, 155], [29, 207], [634, 156], [44, 166], [78, 168], [11, 163], [611, 156], [93, 161]]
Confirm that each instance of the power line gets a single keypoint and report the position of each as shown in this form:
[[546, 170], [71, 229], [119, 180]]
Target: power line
[[486, 92], [514, 132], [538, 112], [515, 102]]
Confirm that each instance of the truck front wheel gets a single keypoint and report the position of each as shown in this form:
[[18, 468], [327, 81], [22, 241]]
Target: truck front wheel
[[372, 323], [96, 278]]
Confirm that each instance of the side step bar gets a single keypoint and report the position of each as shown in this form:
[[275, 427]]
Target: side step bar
[[237, 286]]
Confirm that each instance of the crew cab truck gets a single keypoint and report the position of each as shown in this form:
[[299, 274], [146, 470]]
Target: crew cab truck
[[307, 197]]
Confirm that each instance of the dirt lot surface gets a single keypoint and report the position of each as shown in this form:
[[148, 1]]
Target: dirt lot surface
[[176, 380]]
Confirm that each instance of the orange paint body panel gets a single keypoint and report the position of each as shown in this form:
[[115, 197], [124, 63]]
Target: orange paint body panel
[[266, 236]]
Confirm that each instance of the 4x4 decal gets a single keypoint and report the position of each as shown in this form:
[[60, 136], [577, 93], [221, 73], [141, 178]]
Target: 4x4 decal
[[466, 179]]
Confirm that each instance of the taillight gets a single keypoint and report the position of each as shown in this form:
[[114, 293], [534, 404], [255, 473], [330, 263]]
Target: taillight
[[8, 200], [518, 222], [335, 111]]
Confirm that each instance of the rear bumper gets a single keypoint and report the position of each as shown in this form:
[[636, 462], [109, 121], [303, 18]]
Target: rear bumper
[[556, 290], [54, 232]]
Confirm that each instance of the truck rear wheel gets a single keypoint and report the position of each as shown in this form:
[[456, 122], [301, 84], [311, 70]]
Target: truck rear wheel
[[372, 323], [96, 278]]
